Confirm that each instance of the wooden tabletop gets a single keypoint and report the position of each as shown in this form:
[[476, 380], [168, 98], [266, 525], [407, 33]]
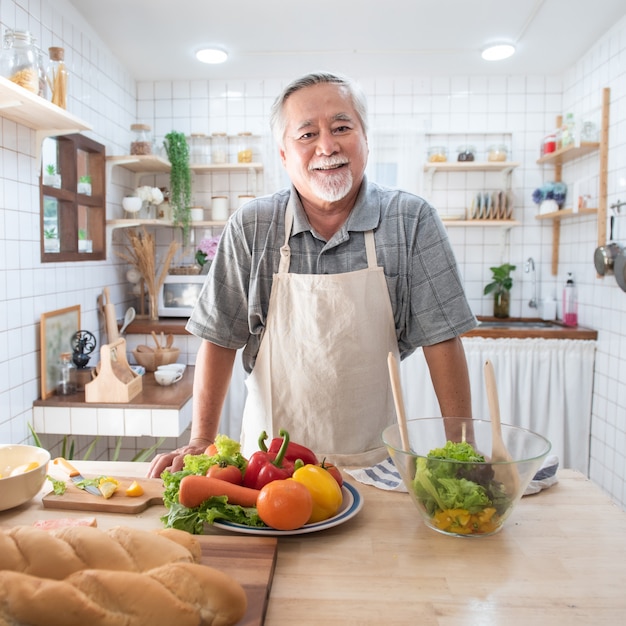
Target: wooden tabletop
[[560, 559]]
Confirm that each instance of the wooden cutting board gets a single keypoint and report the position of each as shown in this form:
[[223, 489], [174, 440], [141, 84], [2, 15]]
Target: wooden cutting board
[[250, 561], [79, 500]]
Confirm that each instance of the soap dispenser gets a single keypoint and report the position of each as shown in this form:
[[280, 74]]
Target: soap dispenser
[[570, 302]]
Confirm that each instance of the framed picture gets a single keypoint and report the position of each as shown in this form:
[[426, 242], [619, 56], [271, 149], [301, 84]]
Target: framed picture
[[57, 329]]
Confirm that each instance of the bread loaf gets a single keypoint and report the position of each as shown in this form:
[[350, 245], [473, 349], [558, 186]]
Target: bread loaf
[[178, 594], [58, 553]]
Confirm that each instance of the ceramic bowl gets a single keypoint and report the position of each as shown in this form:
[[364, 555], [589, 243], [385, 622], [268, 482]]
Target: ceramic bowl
[[464, 498], [23, 472], [167, 377], [152, 360], [132, 204]]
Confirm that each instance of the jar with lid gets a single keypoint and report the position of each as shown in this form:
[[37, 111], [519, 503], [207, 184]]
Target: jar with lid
[[19, 61], [245, 147], [549, 144], [466, 153], [437, 154], [141, 139], [57, 75], [497, 152], [199, 149], [219, 148], [65, 386]]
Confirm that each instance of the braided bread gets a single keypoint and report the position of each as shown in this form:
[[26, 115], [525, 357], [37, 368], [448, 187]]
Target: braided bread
[[180, 594]]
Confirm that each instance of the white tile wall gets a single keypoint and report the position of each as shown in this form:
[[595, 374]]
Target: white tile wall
[[103, 93]]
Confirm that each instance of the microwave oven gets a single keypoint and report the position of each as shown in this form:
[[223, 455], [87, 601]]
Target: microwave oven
[[179, 294]]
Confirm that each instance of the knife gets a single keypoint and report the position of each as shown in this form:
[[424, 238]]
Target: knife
[[76, 476]]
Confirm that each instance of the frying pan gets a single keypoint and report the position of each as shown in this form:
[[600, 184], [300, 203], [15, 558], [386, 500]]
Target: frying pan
[[620, 269], [604, 256]]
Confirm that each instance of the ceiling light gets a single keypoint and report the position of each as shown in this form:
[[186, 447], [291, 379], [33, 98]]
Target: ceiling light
[[499, 51], [211, 55]]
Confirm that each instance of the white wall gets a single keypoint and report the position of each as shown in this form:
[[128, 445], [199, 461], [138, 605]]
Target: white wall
[[103, 94]]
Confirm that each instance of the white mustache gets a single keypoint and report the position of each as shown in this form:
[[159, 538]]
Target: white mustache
[[328, 164]]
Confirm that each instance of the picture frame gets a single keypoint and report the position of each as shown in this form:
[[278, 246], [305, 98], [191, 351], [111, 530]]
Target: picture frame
[[56, 331]]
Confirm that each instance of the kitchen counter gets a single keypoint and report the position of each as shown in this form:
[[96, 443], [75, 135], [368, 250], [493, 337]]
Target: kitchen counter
[[560, 559]]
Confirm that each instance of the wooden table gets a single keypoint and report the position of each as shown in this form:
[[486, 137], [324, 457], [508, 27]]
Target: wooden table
[[561, 559]]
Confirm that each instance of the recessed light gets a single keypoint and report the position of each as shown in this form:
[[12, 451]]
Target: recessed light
[[499, 51], [211, 55]]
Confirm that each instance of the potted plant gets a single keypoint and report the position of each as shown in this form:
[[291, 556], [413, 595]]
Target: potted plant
[[84, 185], [500, 287], [51, 177], [51, 240], [180, 181]]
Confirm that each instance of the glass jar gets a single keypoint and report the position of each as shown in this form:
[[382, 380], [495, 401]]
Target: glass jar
[[141, 139], [199, 149], [42, 62], [466, 153], [549, 144], [497, 152], [219, 148], [19, 61], [57, 75], [437, 154], [65, 386], [245, 148]]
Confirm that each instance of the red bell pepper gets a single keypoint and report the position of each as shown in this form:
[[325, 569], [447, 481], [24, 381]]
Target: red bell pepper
[[294, 452], [265, 467]]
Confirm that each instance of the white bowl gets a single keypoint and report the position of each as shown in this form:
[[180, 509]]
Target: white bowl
[[132, 204], [167, 377], [175, 367], [17, 485]]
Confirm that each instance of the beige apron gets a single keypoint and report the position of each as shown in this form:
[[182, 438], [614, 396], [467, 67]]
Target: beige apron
[[321, 372]]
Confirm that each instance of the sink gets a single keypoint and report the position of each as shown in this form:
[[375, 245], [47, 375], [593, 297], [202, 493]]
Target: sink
[[516, 324]]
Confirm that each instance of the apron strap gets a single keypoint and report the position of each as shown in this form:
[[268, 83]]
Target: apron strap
[[285, 250]]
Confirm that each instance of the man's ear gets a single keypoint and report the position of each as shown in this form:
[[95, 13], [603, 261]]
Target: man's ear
[[281, 152]]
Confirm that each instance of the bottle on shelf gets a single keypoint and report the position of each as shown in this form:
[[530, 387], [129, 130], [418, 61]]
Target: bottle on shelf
[[57, 75], [65, 386], [570, 302], [141, 141], [19, 61]]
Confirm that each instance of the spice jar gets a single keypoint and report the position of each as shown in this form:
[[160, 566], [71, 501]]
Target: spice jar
[[466, 153], [496, 152], [141, 141], [219, 148], [199, 149], [437, 154], [549, 144], [244, 148], [219, 208], [65, 386], [19, 61], [57, 75]]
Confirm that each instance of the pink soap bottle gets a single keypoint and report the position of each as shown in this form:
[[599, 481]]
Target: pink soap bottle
[[570, 302]]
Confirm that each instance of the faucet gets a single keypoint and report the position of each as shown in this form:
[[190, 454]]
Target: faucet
[[528, 268]]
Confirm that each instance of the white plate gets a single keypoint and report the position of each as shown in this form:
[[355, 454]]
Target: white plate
[[351, 505]]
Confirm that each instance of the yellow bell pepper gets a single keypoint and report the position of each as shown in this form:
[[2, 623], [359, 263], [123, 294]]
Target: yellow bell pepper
[[326, 493]]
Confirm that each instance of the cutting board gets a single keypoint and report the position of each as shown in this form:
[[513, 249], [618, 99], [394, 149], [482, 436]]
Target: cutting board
[[250, 561], [79, 500]]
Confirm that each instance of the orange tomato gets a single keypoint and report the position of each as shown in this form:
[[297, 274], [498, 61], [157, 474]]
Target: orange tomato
[[285, 504], [229, 473]]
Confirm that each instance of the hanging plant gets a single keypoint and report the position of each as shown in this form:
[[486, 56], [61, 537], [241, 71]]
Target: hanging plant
[[180, 181]]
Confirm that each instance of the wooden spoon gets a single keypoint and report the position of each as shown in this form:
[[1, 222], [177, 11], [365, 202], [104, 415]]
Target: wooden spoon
[[505, 473], [156, 341]]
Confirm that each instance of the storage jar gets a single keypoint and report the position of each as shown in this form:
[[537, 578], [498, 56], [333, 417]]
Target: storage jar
[[466, 153], [19, 60], [497, 152], [199, 149], [245, 148], [437, 154], [219, 208], [141, 139], [219, 148], [58, 76]]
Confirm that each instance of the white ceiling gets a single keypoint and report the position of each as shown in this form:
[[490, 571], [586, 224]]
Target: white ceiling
[[157, 39]]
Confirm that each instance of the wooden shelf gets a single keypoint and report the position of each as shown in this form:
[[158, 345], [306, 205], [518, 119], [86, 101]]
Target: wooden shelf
[[566, 213], [564, 155], [226, 167], [26, 108], [471, 166], [487, 223], [145, 163]]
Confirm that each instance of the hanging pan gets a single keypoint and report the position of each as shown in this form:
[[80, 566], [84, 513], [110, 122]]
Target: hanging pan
[[620, 269], [604, 256]]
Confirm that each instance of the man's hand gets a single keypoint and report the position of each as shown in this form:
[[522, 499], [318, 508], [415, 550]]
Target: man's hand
[[172, 461]]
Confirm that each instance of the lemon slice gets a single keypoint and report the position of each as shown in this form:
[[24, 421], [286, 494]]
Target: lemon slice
[[108, 486], [134, 490], [22, 469]]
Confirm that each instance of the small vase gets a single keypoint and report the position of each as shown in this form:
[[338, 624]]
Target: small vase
[[501, 303]]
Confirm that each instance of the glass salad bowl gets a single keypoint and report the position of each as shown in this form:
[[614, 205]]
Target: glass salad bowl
[[456, 488]]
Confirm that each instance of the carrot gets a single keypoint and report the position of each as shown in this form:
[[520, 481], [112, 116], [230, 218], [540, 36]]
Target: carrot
[[195, 489]]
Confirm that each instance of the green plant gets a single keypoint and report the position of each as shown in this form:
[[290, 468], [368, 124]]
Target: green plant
[[85, 179], [180, 181], [50, 233], [501, 279], [51, 169]]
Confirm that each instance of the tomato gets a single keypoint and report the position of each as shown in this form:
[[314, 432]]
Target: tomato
[[284, 504], [211, 450], [333, 471], [229, 473]]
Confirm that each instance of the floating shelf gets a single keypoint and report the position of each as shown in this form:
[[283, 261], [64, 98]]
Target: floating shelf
[[564, 155], [471, 166], [487, 223], [566, 213]]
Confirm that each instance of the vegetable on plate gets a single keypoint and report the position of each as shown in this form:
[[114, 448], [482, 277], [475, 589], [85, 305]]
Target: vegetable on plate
[[285, 504], [264, 467], [325, 491]]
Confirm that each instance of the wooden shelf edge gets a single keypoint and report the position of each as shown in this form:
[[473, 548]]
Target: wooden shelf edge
[[566, 213], [471, 166], [569, 154], [490, 223], [131, 223]]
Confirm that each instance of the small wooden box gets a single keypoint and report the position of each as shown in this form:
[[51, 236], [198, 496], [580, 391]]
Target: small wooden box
[[116, 381]]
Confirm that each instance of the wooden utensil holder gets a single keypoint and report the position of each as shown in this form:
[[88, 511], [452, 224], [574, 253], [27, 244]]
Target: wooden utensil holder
[[116, 381]]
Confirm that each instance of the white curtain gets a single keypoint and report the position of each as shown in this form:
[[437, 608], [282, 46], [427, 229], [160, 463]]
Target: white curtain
[[544, 385]]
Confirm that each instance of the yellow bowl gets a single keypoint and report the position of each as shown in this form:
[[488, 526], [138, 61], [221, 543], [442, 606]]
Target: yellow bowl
[[152, 360], [23, 471]]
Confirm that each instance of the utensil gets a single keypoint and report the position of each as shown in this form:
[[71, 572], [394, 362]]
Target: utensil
[[109, 317], [169, 341], [398, 400], [504, 470], [143, 348], [604, 256], [620, 269], [129, 316], [156, 341], [75, 475]]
